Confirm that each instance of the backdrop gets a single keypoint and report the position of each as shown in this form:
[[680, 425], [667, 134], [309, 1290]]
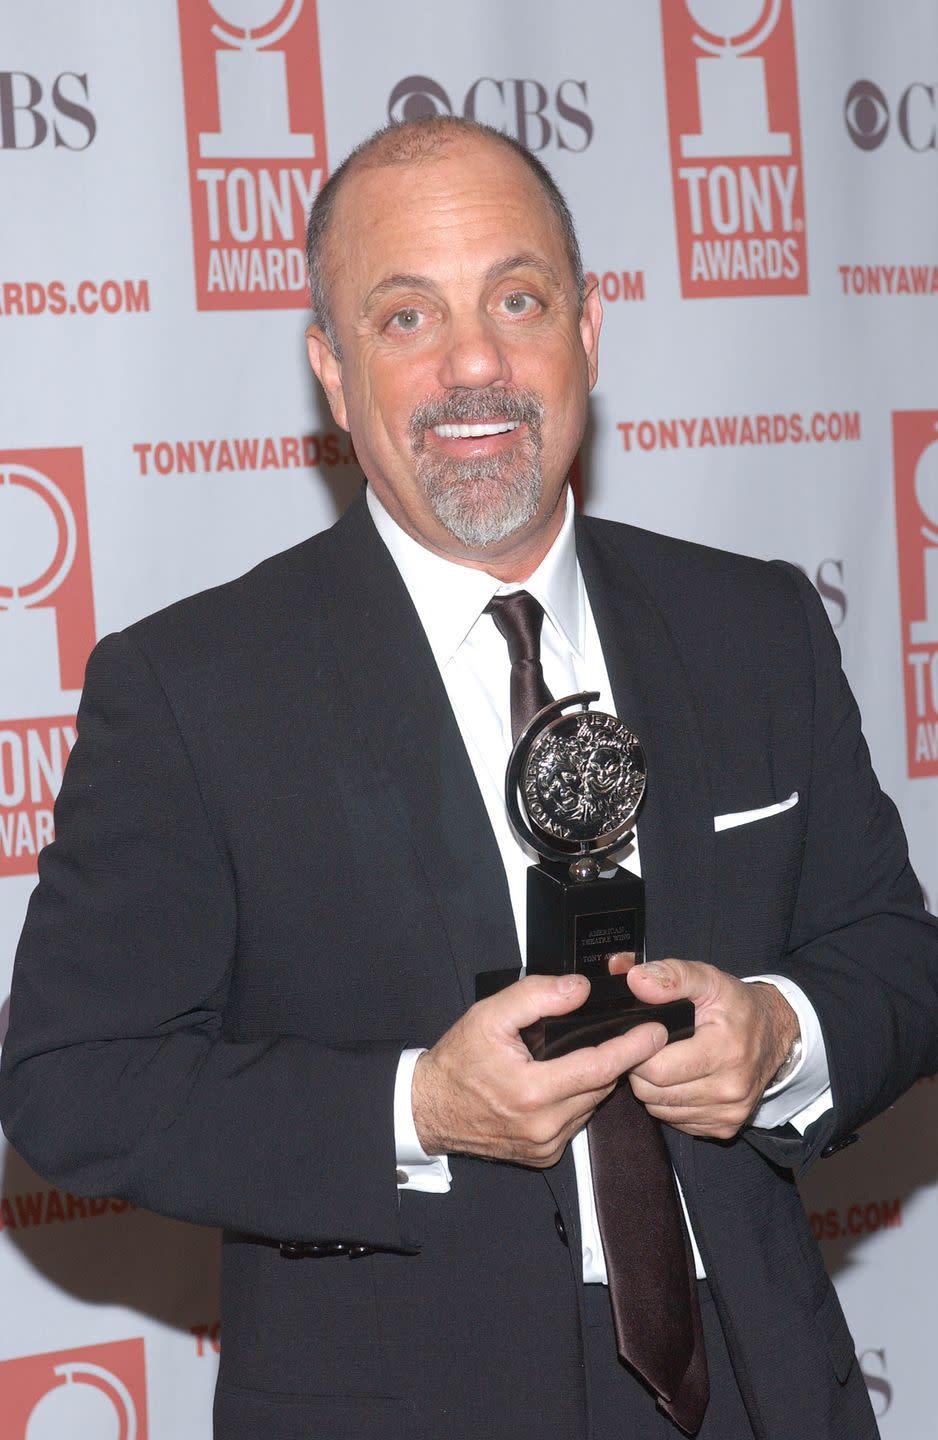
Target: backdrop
[[755, 182]]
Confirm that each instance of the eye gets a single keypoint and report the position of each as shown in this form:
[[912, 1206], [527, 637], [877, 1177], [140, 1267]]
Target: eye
[[519, 302], [406, 320]]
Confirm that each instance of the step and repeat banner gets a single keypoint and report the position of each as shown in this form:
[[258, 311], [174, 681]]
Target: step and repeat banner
[[756, 186]]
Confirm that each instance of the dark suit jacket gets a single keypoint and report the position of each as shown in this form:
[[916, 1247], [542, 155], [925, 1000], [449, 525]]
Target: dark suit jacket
[[274, 870]]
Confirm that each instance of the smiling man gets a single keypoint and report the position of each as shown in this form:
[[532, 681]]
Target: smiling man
[[244, 994]]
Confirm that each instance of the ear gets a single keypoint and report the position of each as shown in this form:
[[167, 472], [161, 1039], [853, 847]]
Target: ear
[[328, 371], [591, 320]]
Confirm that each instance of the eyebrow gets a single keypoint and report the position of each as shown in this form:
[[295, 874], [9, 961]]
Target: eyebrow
[[523, 261], [405, 281]]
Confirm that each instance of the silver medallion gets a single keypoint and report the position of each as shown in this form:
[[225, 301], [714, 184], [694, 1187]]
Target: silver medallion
[[578, 777]]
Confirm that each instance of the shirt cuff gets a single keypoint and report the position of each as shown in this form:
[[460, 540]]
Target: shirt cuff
[[416, 1170], [804, 1095]]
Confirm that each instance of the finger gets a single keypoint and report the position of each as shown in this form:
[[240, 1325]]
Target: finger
[[662, 980], [728, 1094], [621, 962], [673, 1097], [706, 1125], [532, 998], [682, 1063], [717, 1124], [539, 1136], [597, 1067]]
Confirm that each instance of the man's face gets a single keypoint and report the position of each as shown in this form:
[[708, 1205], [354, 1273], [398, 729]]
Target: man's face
[[465, 362]]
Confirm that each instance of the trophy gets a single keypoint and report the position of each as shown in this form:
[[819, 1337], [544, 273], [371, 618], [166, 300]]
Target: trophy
[[573, 787]]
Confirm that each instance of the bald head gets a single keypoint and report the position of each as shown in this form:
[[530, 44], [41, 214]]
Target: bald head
[[412, 143]]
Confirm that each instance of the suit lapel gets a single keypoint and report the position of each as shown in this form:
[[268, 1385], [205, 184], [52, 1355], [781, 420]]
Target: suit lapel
[[414, 748], [675, 824], [653, 697]]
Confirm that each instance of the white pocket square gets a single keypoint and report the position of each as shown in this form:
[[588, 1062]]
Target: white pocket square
[[746, 817]]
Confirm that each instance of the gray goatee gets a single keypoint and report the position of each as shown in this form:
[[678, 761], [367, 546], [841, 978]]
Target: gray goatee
[[481, 501]]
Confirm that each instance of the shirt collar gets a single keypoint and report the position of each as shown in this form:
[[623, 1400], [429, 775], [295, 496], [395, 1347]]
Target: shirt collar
[[449, 597]]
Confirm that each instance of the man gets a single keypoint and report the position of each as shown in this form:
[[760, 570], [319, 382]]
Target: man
[[244, 992]]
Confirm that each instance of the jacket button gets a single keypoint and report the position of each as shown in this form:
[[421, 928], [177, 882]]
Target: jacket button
[[561, 1228], [837, 1145]]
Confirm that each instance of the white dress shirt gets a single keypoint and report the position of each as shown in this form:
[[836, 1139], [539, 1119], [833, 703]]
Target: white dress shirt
[[472, 656]]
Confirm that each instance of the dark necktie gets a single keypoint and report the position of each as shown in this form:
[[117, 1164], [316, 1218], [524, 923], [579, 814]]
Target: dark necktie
[[649, 1264], [519, 618]]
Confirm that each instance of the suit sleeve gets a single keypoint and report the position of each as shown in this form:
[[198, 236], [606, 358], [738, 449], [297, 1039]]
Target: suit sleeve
[[118, 1076], [861, 945]]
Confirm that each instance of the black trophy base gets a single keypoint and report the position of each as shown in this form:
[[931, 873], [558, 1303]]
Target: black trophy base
[[611, 1010], [577, 927]]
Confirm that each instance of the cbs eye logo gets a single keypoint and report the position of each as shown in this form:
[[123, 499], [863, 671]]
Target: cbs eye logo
[[866, 114], [417, 96]]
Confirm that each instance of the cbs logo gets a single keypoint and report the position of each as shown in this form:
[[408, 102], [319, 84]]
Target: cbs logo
[[525, 109]]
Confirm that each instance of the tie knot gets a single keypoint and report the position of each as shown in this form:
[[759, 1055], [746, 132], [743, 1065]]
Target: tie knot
[[519, 618]]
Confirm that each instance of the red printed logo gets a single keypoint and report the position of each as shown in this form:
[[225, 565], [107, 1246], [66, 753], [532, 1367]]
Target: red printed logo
[[45, 566], [47, 630], [257, 147], [32, 761], [735, 147], [97, 1390], [915, 446]]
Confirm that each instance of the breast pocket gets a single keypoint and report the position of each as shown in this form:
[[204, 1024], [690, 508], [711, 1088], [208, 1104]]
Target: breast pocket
[[758, 863]]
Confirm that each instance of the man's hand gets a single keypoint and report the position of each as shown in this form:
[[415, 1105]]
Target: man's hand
[[479, 1092], [711, 1084]]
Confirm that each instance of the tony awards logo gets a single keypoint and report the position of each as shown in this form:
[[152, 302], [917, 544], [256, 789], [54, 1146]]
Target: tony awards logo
[[735, 146], [38, 549], [47, 630], [731, 81], [257, 146], [574, 784], [915, 438], [925, 631], [251, 80]]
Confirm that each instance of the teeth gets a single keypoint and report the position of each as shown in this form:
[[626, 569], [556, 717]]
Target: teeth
[[471, 432]]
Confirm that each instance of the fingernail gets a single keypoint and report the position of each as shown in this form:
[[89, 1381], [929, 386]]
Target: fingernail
[[658, 974], [568, 983]]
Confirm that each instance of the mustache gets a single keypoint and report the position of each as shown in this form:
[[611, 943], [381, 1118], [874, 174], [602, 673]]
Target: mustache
[[469, 407]]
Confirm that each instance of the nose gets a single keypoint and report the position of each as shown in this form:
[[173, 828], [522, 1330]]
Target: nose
[[474, 355]]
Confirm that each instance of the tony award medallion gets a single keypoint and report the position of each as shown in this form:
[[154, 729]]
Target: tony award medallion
[[574, 785]]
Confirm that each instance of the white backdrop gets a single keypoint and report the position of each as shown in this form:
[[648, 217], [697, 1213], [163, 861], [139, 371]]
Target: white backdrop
[[764, 223]]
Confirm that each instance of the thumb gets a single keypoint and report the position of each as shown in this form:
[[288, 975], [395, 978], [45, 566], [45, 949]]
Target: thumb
[[663, 980], [536, 995]]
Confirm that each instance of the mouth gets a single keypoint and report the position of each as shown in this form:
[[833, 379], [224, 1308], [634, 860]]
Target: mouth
[[475, 432], [488, 427], [476, 439]]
